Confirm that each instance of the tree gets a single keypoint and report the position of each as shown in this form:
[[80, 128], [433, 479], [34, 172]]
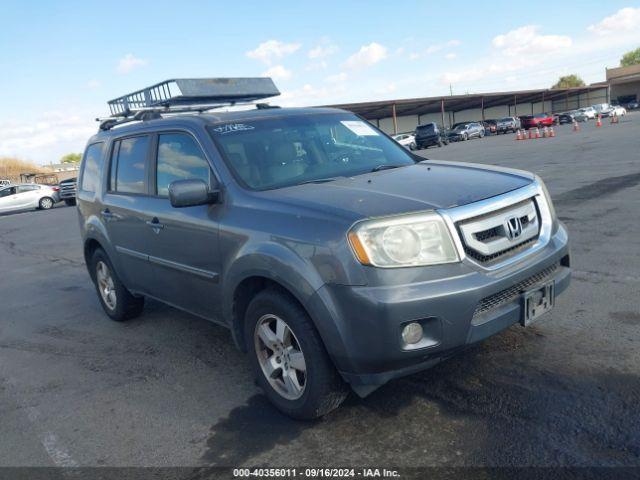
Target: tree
[[630, 58], [71, 158], [569, 81]]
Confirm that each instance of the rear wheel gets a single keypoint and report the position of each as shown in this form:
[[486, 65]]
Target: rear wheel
[[412, 146], [45, 203], [289, 358], [115, 299]]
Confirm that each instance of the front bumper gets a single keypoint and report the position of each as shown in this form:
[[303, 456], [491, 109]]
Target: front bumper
[[366, 343]]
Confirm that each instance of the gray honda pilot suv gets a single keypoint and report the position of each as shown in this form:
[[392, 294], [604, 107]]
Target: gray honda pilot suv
[[335, 257]]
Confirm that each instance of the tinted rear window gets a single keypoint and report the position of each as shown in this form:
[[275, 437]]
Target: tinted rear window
[[130, 156], [92, 164]]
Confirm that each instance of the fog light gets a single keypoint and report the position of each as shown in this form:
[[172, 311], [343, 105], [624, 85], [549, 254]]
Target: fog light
[[412, 333]]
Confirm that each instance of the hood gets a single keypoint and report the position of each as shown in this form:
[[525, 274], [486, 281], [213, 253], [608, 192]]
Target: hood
[[424, 186]]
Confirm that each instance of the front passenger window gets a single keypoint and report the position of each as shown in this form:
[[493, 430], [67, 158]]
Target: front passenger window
[[179, 158]]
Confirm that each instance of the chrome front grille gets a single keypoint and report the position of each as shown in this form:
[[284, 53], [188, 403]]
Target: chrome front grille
[[500, 234]]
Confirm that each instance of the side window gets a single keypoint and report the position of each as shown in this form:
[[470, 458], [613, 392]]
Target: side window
[[179, 158], [130, 166], [27, 188], [7, 191], [91, 167]]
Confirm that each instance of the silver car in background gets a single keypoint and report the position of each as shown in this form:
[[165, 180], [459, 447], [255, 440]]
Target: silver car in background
[[28, 195]]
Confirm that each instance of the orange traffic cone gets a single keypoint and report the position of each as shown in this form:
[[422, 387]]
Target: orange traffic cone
[[551, 132], [614, 119], [530, 133], [545, 132], [537, 132], [599, 121], [519, 135], [576, 126]]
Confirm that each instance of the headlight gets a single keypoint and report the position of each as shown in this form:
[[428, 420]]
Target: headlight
[[404, 241]]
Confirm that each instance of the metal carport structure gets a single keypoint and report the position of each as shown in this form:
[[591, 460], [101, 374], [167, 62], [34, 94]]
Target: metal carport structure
[[455, 103]]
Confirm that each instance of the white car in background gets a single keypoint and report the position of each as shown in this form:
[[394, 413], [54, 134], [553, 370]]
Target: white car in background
[[28, 195], [407, 140], [589, 112], [618, 110]]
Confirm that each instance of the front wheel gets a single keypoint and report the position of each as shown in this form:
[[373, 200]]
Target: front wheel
[[412, 146], [45, 203], [465, 137], [289, 358], [70, 202]]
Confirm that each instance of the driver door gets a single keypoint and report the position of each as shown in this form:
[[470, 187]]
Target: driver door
[[182, 243]]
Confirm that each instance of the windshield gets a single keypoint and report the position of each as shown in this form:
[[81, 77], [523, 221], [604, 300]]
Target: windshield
[[278, 152], [459, 128], [506, 119], [429, 128]]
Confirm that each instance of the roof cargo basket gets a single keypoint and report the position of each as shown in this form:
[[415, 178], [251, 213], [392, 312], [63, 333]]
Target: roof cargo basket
[[184, 94]]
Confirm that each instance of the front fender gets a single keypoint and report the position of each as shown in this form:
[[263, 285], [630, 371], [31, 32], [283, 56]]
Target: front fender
[[296, 274], [275, 262]]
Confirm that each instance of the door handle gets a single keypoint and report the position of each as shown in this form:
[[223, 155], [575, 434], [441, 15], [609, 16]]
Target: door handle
[[155, 224], [107, 215]]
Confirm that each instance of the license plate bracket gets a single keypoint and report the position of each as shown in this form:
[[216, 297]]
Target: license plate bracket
[[536, 302]]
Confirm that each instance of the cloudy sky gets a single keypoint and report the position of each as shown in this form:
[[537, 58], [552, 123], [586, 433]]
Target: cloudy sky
[[62, 60]]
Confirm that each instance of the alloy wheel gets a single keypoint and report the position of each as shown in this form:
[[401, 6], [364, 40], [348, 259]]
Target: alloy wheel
[[106, 286], [280, 356]]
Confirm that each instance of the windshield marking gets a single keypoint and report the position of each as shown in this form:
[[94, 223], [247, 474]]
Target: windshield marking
[[233, 127]]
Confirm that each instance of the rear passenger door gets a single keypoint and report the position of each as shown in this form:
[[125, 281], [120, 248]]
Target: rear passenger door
[[27, 196], [182, 242], [123, 210]]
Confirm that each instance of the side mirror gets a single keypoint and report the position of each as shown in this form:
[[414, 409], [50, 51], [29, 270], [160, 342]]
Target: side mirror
[[189, 193]]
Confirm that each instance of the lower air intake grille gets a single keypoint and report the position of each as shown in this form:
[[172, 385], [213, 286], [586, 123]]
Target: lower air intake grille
[[509, 294]]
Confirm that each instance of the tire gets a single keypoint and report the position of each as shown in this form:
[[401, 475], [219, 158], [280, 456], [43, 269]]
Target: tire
[[319, 388], [70, 202], [440, 144], [46, 203], [412, 146], [465, 137], [125, 306]]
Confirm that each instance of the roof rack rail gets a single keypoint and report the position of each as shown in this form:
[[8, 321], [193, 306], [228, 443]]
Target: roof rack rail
[[183, 92]]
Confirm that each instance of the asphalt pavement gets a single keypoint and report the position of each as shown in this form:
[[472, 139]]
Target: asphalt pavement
[[170, 389]]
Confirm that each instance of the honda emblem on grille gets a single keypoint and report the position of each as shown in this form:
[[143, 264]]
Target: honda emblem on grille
[[513, 227]]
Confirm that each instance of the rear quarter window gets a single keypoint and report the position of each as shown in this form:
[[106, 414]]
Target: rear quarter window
[[91, 167]]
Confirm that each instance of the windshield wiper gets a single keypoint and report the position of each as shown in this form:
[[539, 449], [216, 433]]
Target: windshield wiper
[[320, 180], [386, 167]]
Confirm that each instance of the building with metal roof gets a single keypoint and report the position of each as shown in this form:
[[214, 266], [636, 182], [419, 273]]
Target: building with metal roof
[[403, 115]]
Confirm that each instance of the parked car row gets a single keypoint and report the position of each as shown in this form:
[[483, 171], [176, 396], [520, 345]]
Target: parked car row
[[431, 134], [23, 196], [28, 195]]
